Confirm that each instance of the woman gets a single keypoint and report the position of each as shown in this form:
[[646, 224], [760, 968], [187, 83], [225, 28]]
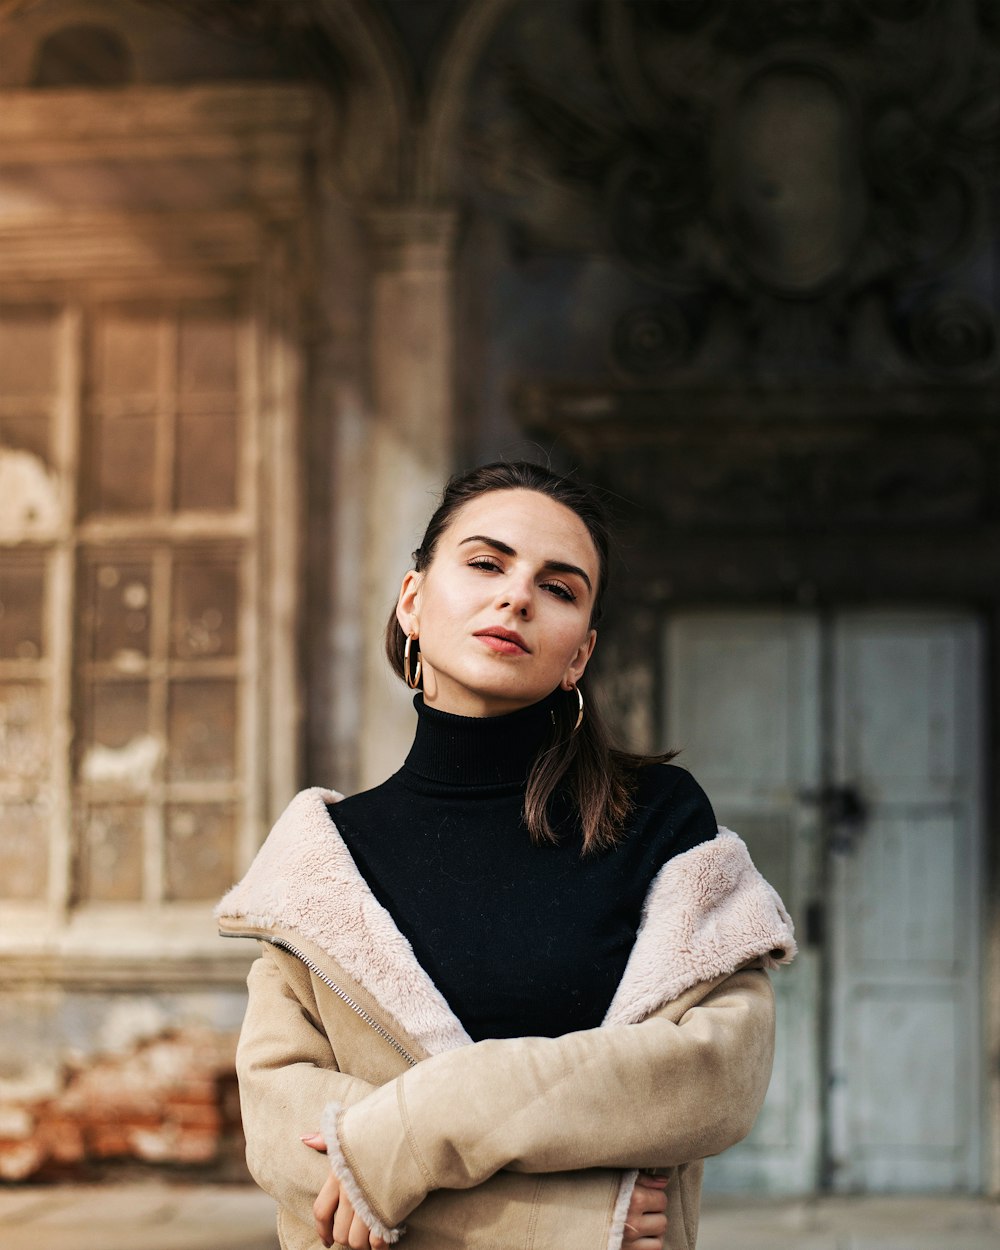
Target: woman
[[526, 972]]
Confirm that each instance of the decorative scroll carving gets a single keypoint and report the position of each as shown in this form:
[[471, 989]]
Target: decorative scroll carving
[[954, 334], [647, 340], [794, 167]]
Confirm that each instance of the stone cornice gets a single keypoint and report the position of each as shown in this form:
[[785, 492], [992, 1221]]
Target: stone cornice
[[137, 946], [147, 973], [78, 121], [194, 168], [610, 414], [78, 245]]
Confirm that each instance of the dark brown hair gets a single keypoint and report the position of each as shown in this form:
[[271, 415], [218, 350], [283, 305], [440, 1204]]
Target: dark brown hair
[[598, 778]]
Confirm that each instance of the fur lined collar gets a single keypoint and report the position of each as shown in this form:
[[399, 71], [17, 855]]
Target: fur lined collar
[[708, 912]]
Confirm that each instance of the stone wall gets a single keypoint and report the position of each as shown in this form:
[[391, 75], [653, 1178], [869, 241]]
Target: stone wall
[[90, 1082]]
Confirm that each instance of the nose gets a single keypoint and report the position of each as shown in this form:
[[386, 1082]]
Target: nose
[[518, 596]]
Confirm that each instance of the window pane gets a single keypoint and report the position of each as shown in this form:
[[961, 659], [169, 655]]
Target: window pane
[[126, 380], [205, 608], [124, 464], [118, 747], [22, 600], [30, 502], [24, 855], [207, 354], [202, 731], [118, 612], [111, 852], [200, 843], [28, 354], [127, 355], [24, 730], [30, 434], [206, 460]]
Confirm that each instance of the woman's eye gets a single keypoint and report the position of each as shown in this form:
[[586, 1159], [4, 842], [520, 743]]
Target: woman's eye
[[560, 591], [485, 562]]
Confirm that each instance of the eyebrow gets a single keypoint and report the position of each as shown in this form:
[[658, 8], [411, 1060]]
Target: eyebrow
[[554, 566]]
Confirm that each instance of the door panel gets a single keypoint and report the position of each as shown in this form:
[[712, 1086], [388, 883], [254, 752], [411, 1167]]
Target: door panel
[[904, 699], [742, 703], [905, 1038], [888, 1096]]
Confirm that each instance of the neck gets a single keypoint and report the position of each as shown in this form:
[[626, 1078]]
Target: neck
[[478, 750]]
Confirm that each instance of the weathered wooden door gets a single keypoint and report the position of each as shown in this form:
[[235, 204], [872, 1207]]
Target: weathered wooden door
[[742, 702], [905, 1041], [845, 752]]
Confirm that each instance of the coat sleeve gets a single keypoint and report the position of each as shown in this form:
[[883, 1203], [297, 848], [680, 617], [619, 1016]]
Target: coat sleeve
[[287, 1074], [673, 1088]]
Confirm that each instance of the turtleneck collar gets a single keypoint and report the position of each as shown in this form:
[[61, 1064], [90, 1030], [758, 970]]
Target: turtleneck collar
[[477, 750]]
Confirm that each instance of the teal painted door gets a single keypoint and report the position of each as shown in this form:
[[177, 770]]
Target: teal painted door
[[905, 1042], [742, 700], [845, 752]]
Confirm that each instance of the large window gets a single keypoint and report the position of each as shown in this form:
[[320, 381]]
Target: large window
[[129, 600]]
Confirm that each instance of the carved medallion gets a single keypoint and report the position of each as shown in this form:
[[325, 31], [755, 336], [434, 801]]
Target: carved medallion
[[813, 176]]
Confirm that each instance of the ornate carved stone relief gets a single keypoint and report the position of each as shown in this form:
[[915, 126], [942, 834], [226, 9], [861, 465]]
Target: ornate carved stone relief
[[696, 463], [801, 187]]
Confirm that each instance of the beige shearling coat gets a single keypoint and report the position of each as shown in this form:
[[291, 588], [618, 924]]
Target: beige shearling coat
[[507, 1144]]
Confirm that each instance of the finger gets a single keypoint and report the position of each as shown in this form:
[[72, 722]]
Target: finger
[[652, 1180], [643, 1200], [641, 1241], [327, 1201], [376, 1242], [638, 1241], [648, 1202], [359, 1235], [315, 1141], [647, 1226], [342, 1221]]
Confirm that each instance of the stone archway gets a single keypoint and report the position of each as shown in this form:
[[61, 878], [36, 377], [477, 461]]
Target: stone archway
[[449, 92]]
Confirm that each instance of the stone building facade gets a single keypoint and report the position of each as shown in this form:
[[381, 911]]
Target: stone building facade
[[269, 270]]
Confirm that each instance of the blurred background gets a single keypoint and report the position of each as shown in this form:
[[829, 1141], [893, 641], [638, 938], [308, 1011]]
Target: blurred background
[[270, 270]]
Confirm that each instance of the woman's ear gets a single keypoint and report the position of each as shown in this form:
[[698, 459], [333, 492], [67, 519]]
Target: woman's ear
[[578, 663], [408, 603]]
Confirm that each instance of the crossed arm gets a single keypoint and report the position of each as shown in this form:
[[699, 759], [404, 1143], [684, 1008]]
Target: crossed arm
[[684, 1084], [653, 1095]]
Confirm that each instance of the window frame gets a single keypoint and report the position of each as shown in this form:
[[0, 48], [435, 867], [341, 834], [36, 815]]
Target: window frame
[[75, 260]]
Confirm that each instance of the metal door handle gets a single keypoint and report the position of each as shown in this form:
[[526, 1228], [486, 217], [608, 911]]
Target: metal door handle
[[843, 812]]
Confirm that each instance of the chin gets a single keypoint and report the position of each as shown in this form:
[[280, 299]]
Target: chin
[[495, 692]]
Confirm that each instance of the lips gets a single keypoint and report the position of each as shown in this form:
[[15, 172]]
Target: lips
[[507, 640]]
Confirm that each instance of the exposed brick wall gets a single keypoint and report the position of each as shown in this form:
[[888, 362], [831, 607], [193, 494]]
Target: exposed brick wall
[[169, 1100]]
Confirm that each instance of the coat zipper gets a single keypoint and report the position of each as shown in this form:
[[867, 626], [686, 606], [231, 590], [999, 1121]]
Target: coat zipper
[[344, 997]]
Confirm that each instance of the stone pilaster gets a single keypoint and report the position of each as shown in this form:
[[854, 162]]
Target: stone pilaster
[[411, 444]]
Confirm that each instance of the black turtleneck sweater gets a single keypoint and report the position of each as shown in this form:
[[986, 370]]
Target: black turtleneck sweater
[[521, 939]]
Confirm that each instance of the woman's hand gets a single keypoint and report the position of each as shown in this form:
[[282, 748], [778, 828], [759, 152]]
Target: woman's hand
[[646, 1222], [335, 1217], [337, 1221]]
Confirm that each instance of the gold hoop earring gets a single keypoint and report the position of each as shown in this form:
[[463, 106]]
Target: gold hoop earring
[[412, 679], [579, 717]]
